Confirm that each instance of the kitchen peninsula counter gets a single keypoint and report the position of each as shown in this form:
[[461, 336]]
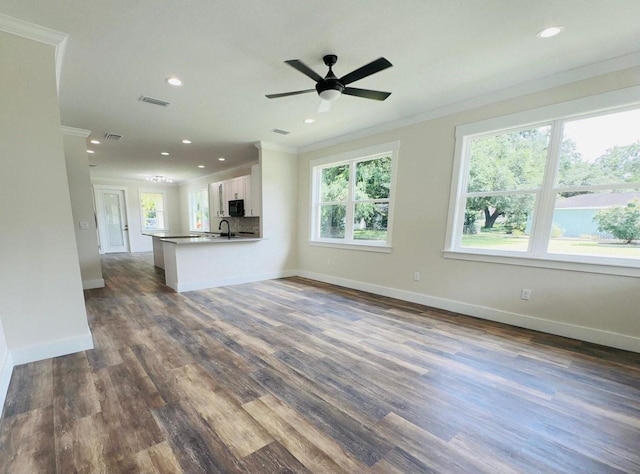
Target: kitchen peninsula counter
[[206, 239], [194, 261]]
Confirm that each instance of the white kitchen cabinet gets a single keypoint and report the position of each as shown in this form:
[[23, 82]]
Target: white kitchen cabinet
[[235, 188], [217, 199], [243, 187]]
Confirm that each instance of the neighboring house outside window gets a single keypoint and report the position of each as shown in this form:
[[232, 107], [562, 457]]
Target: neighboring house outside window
[[566, 188], [152, 210], [199, 210], [352, 198]]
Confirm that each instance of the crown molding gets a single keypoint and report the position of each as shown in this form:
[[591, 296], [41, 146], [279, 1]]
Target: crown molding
[[262, 145], [537, 85], [39, 33], [31, 31], [75, 132], [213, 175]]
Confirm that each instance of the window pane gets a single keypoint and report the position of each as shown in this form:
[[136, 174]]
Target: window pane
[[498, 222], [373, 179], [605, 224], [334, 185], [199, 210], [509, 161], [601, 150], [332, 221], [152, 205], [370, 221]]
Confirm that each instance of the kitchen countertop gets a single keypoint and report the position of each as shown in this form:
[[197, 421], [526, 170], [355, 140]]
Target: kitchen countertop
[[171, 235], [211, 239]]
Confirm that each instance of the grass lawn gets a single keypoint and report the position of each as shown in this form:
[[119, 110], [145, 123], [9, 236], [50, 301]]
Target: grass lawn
[[498, 241], [366, 234]]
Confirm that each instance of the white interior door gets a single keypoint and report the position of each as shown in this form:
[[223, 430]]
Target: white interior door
[[112, 220]]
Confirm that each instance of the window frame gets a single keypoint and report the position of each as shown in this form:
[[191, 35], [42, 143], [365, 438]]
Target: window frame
[[141, 192], [352, 158], [206, 223], [537, 254]]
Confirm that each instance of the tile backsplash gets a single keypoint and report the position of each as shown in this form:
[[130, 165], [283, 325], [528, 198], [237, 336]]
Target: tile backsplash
[[238, 224]]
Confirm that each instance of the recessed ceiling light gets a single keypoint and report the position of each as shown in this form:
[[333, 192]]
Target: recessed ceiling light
[[90, 151], [550, 32], [186, 142], [221, 159], [164, 153], [200, 166], [174, 81], [309, 120], [95, 142]]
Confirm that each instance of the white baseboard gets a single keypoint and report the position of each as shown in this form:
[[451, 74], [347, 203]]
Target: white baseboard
[[181, 287], [24, 355], [91, 284], [597, 336], [6, 369]]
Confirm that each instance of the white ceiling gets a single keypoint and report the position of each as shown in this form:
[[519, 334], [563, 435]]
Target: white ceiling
[[230, 54]]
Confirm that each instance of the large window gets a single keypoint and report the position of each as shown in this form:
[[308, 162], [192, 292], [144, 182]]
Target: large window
[[565, 189], [152, 210], [352, 198], [199, 210]]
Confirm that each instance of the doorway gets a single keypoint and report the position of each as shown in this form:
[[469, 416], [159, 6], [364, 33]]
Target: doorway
[[113, 228]]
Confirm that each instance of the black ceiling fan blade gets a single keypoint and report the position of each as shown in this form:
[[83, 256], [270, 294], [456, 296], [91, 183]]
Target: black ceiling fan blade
[[285, 94], [366, 70], [366, 93], [304, 69]]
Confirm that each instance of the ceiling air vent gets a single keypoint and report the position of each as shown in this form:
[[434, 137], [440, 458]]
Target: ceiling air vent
[[112, 136], [154, 101], [281, 132]]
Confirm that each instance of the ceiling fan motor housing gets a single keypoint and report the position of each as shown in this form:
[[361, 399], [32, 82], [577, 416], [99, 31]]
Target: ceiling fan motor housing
[[330, 83]]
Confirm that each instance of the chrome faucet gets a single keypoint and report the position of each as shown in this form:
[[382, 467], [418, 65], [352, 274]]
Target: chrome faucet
[[228, 227]]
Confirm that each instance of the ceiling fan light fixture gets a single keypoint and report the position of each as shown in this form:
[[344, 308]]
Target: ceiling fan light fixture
[[159, 179], [330, 94]]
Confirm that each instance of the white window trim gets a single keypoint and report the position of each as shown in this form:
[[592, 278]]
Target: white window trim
[[361, 154], [584, 107], [164, 202]]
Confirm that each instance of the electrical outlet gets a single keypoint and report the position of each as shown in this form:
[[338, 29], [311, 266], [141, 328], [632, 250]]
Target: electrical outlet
[[525, 294], [84, 225], [416, 276], [328, 263]]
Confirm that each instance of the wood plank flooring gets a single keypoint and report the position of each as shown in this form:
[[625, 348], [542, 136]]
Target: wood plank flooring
[[294, 375]]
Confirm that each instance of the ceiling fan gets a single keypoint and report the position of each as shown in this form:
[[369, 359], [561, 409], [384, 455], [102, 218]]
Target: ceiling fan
[[330, 88]]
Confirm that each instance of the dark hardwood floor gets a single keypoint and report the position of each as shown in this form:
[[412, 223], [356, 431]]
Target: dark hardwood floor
[[294, 375]]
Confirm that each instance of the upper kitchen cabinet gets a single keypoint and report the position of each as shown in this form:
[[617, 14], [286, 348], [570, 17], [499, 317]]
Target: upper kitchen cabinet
[[246, 187], [234, 188], [218, 200]]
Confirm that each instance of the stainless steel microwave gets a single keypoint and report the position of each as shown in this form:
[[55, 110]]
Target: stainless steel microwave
[[236, 208]]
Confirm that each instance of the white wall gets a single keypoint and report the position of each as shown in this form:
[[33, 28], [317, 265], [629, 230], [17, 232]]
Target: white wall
[[596, 307], [280, 204], [75, 152], [41, 301], [137, 241]]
